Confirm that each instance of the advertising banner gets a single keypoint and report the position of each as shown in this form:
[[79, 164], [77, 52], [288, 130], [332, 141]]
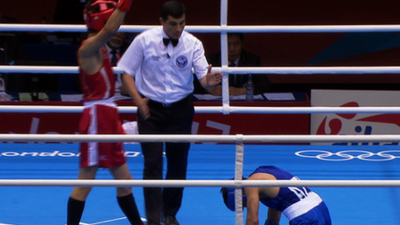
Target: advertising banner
[[358, 123], [203, 123]]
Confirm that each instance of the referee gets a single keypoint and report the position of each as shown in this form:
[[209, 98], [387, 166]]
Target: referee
[[158, 76]]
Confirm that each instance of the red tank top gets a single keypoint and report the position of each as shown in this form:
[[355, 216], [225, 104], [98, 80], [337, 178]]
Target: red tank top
[[100, 85]]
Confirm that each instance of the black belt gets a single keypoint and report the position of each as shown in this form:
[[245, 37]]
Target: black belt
[[169, 105]]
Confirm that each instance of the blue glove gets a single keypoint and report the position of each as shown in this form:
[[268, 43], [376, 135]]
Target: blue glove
[[269, 222]]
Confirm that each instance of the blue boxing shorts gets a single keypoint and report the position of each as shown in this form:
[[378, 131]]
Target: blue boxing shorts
[[319, 215]]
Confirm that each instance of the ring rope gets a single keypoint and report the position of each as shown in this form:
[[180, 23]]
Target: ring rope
[[200, 183], [237, 70], [224, 61], [196, 138], [239, 159], [213, 109], [213, 29]]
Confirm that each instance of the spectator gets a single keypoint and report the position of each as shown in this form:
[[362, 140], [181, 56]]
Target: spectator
[[116, 46], [237, 57]]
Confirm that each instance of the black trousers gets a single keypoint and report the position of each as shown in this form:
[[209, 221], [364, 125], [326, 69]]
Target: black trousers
[[176, 118]]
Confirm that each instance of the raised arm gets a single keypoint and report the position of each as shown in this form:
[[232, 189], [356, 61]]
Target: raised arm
[[94, 43]]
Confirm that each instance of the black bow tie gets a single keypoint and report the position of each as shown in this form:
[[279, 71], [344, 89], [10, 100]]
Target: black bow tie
[[114, 57], [173, 41]]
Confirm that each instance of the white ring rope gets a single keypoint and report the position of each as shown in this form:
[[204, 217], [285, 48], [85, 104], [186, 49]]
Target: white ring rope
[[44, 69], [238, 70], [213, 29], [212, 109], [197, 138], [201, 183]]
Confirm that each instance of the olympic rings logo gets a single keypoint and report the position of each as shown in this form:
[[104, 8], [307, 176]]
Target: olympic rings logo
[[349, 155]]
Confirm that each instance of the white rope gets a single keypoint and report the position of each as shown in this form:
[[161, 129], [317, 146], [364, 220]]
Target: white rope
[[45, 69], [237, 70], [199, 183], [196, 138], [213, 29], [313, 28], [314, 70], [224, 58], [311, 110], [45, 109], [212, 109], [239, 157], [225, 110]]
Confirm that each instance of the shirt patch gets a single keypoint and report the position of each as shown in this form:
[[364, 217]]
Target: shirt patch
[[181, 61]]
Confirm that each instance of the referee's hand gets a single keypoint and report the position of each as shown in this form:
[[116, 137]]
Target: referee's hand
[[212, 78]]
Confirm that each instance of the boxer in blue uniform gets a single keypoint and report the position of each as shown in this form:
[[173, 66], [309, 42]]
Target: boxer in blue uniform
[[299, 204]]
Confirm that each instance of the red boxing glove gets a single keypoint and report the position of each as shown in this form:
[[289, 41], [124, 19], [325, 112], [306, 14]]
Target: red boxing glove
[[124, 5]]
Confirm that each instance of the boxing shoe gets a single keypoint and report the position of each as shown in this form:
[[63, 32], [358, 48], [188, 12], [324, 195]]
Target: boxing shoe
[[169, 220]]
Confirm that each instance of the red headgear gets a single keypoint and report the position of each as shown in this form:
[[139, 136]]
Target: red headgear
[[97, 12]]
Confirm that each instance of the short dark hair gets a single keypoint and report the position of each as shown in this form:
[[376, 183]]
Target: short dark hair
[[240, 35], [172, 8]]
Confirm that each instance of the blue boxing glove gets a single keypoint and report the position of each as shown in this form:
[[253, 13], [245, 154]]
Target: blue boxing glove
[[269, 222]]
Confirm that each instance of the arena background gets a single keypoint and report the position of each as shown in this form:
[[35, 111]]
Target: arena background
[[329, 49]]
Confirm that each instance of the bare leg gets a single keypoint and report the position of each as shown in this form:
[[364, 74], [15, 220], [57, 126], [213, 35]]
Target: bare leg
[[125, 198], [122, 173], [81, 193], [76, 202]]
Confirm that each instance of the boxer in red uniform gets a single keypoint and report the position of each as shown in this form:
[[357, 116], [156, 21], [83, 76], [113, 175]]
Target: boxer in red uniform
[[100, 116]]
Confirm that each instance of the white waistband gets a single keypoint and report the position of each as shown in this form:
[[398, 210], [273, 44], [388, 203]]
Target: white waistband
[[302, 206], [108, 102]]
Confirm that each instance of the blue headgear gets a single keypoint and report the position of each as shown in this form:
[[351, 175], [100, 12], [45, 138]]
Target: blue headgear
[[231, 197]]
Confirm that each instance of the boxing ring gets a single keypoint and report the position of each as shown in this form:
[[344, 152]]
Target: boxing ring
[[358, 183]]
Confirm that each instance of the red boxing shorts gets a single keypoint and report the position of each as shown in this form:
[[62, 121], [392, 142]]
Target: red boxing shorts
[[101, 119]]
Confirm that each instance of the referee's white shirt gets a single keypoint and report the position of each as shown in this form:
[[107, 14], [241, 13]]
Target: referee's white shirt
[[164, 73]]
